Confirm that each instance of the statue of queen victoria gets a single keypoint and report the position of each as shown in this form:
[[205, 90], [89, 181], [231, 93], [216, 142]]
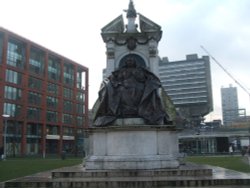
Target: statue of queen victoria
[[131, 91]]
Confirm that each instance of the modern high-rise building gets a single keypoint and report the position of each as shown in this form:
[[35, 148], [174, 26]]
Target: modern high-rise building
[[188, 83], [43, 99], [230, 106]]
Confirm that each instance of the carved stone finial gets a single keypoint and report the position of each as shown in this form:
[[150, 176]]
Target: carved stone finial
[[131, 27], [131, 12]]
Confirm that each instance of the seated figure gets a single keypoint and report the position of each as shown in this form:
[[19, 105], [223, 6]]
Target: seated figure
[[130, 92]]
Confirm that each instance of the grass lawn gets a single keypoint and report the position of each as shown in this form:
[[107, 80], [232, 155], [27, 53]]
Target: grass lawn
[[229, 162], [18, 167]]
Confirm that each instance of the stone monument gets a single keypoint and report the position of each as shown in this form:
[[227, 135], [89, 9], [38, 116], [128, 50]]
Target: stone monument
[[133, 140], [133, 118]]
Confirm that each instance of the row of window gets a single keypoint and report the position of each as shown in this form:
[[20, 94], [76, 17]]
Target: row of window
[[34, 147], [35, 114], [183, 71], [34, 98], [15, 129], [183, 89], [189, 97], [187, 81], [16, 56], [181, 77], [185, 84], [182, 65], [36, 84], [187, 92], [190, 101]]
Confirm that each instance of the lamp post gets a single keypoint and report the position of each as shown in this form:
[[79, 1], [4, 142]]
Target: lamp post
[[5, 116]]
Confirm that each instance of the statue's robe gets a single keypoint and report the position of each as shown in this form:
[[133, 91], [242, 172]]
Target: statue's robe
[[130, 92]]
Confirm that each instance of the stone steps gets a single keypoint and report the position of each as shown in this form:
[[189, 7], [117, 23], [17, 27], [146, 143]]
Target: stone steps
[[186, 176], [132, 173], [129, 182]]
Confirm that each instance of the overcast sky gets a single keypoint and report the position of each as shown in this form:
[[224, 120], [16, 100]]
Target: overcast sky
[[72, 28]]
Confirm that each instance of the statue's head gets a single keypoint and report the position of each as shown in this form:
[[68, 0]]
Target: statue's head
[[132, 60]]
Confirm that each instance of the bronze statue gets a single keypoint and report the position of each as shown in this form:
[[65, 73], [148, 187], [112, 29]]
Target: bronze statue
[[132, 91]]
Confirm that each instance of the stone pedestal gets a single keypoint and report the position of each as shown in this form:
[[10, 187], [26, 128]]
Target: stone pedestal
[[134, 157], [132, 147]]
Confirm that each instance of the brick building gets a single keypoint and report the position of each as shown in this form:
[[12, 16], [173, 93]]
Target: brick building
[[45, 96]]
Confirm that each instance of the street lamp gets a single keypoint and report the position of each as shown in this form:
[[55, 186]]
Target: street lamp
[[5, 135]]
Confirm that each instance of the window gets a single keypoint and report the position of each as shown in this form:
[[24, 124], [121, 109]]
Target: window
[[80, 97], [80, 79], [16, 53], [1, 47], [67, 93], [54, 68], [34, 129], [33, 146], [67, 131], [12, 109], [13, 77], [80, 109], [34, 98], [52, 88], [52, 130], [79, 121], [33, 114], [12, 93], [68, 74], [36, 61], [15, 128], [67, 119], [67, 106], [51, 116], [52, 102], [35, 83]]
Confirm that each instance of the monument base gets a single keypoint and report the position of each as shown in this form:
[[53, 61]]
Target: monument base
[[132, 147], [188, 175]]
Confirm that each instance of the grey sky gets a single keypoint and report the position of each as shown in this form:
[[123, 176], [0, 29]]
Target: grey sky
[[72, 28]]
